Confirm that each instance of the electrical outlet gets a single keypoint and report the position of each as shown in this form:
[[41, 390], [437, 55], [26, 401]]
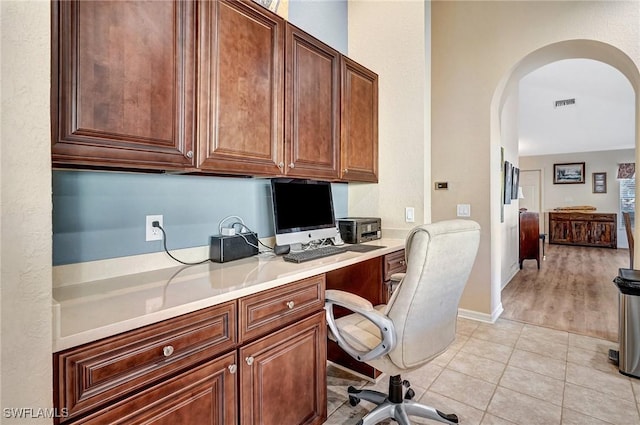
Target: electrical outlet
[[153, 233]]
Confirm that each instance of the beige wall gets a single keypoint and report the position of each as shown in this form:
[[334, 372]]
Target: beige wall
[[25, 209], [476, 45], [392, 38]]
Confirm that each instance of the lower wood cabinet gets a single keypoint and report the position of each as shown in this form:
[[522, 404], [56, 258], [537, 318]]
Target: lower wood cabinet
[[205, 395], [187, 370], [583, 228], [283, 376]]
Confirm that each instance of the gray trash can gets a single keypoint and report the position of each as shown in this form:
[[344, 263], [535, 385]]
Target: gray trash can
[[628, 358]]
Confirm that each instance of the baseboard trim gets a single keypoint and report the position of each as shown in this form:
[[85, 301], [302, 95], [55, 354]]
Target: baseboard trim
[[481, 317]]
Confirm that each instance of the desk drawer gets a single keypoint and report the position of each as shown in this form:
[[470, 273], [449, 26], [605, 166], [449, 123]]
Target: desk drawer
[[394, 263], [269, 310], [94, 374]]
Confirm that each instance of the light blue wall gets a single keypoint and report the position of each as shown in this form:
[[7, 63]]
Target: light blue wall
[[99, 215], [327, 20]]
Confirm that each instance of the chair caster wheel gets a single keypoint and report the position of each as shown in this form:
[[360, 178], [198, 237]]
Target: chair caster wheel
[[353, 401], [410, 394], [352, 390], [406, 383]]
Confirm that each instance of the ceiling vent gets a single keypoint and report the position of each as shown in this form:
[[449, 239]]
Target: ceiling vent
[[564, 102]]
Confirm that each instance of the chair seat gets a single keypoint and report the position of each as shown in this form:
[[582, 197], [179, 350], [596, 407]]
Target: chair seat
[[358, 331]]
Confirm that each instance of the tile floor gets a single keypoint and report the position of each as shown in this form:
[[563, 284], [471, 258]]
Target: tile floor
[[511, 373]]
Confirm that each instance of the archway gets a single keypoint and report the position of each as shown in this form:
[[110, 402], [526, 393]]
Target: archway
[[569, 49]]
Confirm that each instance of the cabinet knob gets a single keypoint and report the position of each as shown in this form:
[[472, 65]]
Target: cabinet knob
[[346, 170], [249, 360], [403, 263], [190, 154], [281, 165], [292, 165], [232, 368], [291, 304], [167, 350]]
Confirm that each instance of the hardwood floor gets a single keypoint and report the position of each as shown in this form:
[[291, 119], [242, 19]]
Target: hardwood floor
[[573, 291]]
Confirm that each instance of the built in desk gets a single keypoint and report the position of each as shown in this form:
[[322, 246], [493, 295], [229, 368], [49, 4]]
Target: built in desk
[[242, 338]]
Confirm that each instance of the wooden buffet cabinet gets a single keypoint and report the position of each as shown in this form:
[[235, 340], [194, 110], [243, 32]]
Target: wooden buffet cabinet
[[257, 359], [583, 228], [212, 87]]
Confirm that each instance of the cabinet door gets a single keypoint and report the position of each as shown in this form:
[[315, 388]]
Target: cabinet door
[[312, 124], [283, 376], [359, 123], [206, 395], [559, 231], [603, 234], [241, 81], [123, 84], [580, 232]]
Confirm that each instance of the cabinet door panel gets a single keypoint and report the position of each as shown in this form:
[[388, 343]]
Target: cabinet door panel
[[205, 395], [241, 106], [359, 125], [603, 234], [312, 132], [123, 84], [283, 376]]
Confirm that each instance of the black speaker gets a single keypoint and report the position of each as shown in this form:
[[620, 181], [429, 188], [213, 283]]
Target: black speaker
[[229, 248]]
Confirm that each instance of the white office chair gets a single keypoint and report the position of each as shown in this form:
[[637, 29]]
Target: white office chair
[[417, 324]]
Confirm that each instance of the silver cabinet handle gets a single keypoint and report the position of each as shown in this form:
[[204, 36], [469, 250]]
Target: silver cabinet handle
[[167, 350], [292, 165], [249, 360], [232, 368], [346, 170], [190, 154], [281, 165], [290, 304]]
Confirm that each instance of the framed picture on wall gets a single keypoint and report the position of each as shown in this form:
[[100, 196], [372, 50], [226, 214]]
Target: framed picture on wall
[[568, 173], [599, 182], [508, 171], [515, 182]]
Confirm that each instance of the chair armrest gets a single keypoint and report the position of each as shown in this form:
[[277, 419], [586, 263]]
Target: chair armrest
[[363, 307]]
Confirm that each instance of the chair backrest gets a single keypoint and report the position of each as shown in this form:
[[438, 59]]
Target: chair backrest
[[424, 307], [629, 229]]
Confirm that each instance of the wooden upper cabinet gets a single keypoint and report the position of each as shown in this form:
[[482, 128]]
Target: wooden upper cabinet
[[359, 125], [312, 115], [123, 84], [241, 84]]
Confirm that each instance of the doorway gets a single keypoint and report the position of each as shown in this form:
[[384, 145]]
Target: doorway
[[531, 184]]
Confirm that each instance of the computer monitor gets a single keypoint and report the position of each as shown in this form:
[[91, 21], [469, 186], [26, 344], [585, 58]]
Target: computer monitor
[[302, 211]]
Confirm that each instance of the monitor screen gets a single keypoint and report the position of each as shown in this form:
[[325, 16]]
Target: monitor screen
[[302, 210]]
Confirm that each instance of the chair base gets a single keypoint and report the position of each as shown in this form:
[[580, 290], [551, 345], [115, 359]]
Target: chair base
[[395, 406]]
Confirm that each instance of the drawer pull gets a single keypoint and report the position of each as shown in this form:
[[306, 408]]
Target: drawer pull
[[189, 154], [290, 304], [403, 263], [249, 360], [167, 351], [232, 368]]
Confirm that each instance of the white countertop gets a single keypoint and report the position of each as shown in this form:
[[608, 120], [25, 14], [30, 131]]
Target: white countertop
[[88, 311]]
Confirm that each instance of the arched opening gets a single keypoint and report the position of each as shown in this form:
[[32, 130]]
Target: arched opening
[[571, 49]]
